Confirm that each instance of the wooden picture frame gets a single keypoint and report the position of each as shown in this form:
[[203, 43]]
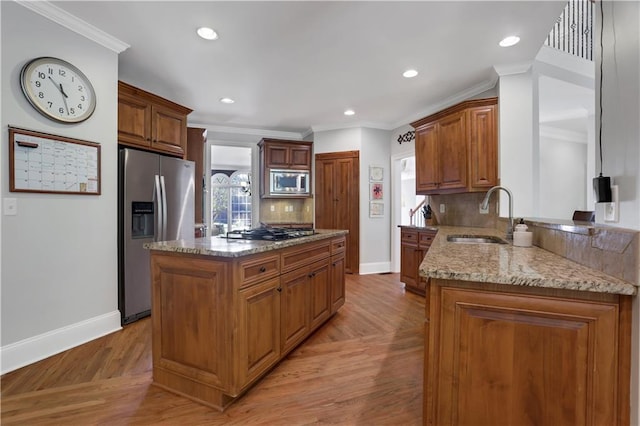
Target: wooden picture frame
[[45, 163]]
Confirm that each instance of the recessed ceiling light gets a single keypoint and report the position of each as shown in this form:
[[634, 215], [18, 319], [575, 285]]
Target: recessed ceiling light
[[349, 112], [509, 41], [207, 33], [227, 100], [410, 73]]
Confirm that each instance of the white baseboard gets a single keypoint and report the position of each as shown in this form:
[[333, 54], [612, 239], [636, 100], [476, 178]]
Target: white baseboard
[[374, 268], [36, 348]]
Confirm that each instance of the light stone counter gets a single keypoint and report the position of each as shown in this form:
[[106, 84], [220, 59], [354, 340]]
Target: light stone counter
[[506, 264], [223, 247]]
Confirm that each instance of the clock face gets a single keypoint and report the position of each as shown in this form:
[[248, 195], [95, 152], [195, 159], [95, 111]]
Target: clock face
[[58, 90]]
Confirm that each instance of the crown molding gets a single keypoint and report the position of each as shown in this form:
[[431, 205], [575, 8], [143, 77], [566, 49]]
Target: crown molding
[[354, 125], [77, 25], [563, 134], [276, 134], [450, 101], [509, 69]]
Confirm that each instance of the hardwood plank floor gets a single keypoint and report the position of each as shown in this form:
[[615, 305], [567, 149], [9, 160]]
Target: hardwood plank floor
[[363, 367]]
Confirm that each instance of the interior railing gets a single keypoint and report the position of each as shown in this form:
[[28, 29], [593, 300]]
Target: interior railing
[[573, 30], [419, 220]]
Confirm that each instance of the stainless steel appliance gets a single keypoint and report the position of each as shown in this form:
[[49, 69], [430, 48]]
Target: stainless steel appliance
[[155, 203], [288, 182], [269, 233]]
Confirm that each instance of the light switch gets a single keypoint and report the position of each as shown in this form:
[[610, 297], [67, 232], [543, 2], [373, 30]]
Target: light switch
[[442, 208], [10, 206]]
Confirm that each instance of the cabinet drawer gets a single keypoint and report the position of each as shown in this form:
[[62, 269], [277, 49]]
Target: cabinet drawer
[[338, 246], [259, 268], [409, 236], [297, 257], [425, 239]]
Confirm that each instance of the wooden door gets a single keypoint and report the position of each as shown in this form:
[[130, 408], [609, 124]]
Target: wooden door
[[483, 148], [320, 292], [134, 121], [294, 302], [338, 199], [521, 359], [168, 131], [337, 282], [196, 142], [452, 152], [427, 177], [258, 330]]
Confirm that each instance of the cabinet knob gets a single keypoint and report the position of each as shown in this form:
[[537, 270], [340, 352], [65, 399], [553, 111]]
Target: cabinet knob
[[279, 289], [263, 269]]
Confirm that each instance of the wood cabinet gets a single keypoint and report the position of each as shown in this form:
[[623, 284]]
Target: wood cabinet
[[196, 145], [499, 354], [150, 122], [456, 149], [283, 154], [338, 247], [414, 245], [337, 199], [220, 323]]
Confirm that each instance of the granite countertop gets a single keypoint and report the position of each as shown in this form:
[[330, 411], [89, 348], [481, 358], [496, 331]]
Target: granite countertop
[[223, 247], [507, 264]]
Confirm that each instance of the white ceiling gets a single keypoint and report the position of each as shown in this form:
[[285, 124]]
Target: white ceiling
[[295, 66]]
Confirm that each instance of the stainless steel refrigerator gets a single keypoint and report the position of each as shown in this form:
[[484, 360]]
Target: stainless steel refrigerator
[[155, 203]]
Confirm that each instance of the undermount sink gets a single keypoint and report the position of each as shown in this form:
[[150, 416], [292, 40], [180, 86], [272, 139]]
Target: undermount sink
[[475, 239]]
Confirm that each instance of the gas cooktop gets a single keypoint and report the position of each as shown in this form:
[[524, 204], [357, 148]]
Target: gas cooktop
[[269, 233]]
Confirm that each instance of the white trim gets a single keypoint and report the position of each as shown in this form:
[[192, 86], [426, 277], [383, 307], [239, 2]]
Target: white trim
[[355, 124], [451, 100], [374, 268], [563, 134], [75, 24], [276, 134], [510, 69], [36, 348], [566, 61]]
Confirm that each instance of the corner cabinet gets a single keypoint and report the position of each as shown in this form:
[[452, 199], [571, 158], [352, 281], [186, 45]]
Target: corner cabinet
[[505, 354], [457, 149], [221, 323], [414, 245], [150, 122]]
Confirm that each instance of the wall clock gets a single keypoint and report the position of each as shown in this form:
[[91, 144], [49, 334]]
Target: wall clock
[[58, 90]]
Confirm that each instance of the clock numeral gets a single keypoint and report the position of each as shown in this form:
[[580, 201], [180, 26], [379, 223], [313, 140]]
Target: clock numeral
[[41, 95], [61, 110], [82, 98], [79, 106], [62, 72], [50, 104], [80, 88], [72, 110], [50, 70], [41, 75], [38, 84]]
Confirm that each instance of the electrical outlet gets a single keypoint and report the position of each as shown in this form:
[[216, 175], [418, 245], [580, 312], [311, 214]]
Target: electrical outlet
[[442, 208], [273, 208], [483, 211]]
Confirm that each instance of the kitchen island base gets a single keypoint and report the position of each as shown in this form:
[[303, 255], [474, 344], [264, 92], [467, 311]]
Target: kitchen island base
[[220, 323]]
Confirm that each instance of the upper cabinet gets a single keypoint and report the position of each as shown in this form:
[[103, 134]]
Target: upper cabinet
[[282, 154], [457, 149], [150, 122]]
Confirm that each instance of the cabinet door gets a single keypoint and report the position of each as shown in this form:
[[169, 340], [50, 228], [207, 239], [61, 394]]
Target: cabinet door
[[320, 292], [134, 121], [169, 131], [300, 157], [277, 156], [326, 199], [452, 152], [483, 148], [408, 266], [294, 302], [337, 282], [500, 358], [258, 329], [427, 158]]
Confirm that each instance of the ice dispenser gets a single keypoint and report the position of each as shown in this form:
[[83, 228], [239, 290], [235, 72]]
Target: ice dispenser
[[142, 219]]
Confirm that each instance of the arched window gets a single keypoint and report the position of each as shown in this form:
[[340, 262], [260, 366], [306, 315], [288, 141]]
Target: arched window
[[230, 200]]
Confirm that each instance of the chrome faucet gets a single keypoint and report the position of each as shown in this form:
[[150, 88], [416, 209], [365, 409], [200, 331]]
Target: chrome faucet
[[485, 205]]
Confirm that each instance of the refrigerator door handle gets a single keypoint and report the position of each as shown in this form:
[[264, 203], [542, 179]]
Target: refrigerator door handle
[[164, 208], [159, 216]]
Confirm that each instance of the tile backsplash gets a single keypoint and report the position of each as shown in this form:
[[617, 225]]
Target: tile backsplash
[[294, 210], [463, 210]]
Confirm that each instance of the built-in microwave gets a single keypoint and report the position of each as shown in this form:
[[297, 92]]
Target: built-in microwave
[[289, 182]]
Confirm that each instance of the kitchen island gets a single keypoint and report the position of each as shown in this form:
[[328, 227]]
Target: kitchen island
[[519, 335], [226, 311]]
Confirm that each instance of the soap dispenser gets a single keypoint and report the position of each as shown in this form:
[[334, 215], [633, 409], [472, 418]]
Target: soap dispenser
[[522, 237]]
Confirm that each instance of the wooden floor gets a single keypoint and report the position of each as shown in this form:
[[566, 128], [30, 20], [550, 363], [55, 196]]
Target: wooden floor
[[363, 367]]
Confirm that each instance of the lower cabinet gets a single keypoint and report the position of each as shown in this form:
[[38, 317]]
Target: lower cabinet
[[219, 324], [498, 354], [414, 245]]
